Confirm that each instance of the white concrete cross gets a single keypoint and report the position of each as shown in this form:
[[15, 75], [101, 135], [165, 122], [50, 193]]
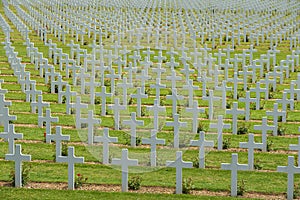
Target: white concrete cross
[[264, 128], [133, 123], [157, 86], [211, 100], [234, 167], [202, 143], [125, 162], [125, 86], [18, 157], [47, 119], [3, 103], [116, 107], [105, 139], [174, 97], [195, 110], [71, 159], [247, 101], [173, 78], [251, 145], [257, 91], [68, 94], [58, 138], [139, 96], [156, 108], [176, 124], [285, 101], [190, 87], [103, 96], [5, 118], [179, 164], [10, 136], [153, 141], [91, 121], [39, 105], [235, 80], [296, 147], [32, 92], [275, 113], [220, 125], [78, 106], [290, 169]]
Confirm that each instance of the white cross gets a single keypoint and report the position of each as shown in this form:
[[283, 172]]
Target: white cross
[[103, 96], [174, 97], [190, 87], [234, 167], [290, 169], [133, 123], [105, 139], [18, 157], [139, 96], [68, 94], [202, 143], [195, 110], [31, 93], [251, 145], [235, 80], [264, 128], [179, 164], [157, 87], [296, 147], [124, 85], [156, 108], [153, 141], [5, 118], [90, 120], [125, 162], [57, 137], [39, 105], [71, 160], [173, 78], [10, 136], [48, 119], [247, 101], [116, 107], [220, 125], [275, 113], [211, 100], [176, 124]]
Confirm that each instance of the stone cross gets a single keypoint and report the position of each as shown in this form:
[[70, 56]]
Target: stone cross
[[235, 112], [235, 80], [39, 105], [176, 124], [234, 167], [195, 110], [57, 137], [71, 160], [257, 91], [247, 101], [18, 157], [211, 100], [78, 106], [264, 128], [125, 162], [116, 107], [290, 170], [125, 86], [190, 87], [157, 87], [133, 123], [139, 96], [103, 96], [10, 136], [153, 141], [275, 113], [156, 108], [90, 120], [179, 164], [251, 145], [5, 118], [296, 147], [220, 126], [202, 143], [68, 94], [47, 119], [105, 139], [174, 97]]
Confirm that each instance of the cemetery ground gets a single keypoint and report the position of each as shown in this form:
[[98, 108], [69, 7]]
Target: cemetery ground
[[48, 178]]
